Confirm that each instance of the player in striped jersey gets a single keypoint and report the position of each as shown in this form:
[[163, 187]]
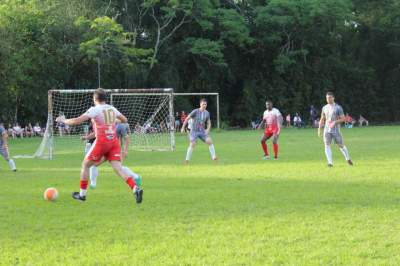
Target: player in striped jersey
[[332, 116], [4, 148]]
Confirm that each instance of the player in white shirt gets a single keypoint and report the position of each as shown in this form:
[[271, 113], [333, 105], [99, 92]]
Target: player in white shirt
[[272, 119], [106, 145]]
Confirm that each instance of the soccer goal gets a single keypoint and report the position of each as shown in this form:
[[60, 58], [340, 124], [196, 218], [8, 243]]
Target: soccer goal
[[150, 114]]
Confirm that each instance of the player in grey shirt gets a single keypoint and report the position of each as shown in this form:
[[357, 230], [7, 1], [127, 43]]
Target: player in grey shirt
[[332, 116], [200, 129], [4, 148], [123, 132]]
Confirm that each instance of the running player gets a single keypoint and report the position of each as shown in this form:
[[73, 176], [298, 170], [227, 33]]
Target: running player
[[201, 119], [4, 148], [332, 116], [272, 119], [106, 145]]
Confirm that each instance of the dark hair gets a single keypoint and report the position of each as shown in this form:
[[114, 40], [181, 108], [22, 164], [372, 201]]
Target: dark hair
[[329, 93], [100, 94], [203, 100]]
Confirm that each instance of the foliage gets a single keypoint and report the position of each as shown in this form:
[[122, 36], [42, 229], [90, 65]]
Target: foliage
[[289, 51]]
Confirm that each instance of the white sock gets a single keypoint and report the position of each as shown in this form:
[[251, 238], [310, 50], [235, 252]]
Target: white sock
[[189, 153], [82, 192], [87, 147], [328, 153], [93, 173], [212, 151], [135, 176], [345, 153], [11, 163], [130, 172]]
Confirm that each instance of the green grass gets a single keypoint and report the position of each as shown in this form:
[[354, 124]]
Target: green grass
[[239, 211]]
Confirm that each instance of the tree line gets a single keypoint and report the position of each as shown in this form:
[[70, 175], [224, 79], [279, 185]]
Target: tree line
[[288, 51]]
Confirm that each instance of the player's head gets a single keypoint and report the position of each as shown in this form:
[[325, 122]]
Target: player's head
[[269, 105], [330, 97], [99, 96], [203, 103]]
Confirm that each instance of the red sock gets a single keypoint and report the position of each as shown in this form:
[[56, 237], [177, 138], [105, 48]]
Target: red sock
[[276, 150], [84, 184], [264, 147], [131, 183]]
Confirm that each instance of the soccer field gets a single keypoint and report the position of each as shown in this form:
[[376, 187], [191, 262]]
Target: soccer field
[[239, 211]]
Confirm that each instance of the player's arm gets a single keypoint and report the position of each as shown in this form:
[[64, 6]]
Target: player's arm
[[73, 121], [280, 122], [321, 122], [122, 118], [89, 136], [4, 137], [261, 123], [208, 126], [185, 123]]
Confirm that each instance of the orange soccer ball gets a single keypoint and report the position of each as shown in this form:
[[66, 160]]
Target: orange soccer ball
[[50, 194]]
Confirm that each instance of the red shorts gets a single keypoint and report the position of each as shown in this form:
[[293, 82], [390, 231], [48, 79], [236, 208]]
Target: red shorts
[[111, 151], [269, 132]]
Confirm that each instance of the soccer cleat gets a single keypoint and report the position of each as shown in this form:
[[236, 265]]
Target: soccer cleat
[[275, 158], [14, 170], [92, 185], [265, 157], [330, 165], [350, 162], [138, 193], [215, 158], [77, 196]]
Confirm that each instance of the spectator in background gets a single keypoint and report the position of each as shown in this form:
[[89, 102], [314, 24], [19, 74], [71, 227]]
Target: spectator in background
[[37, 130], [183, 118], [362, 120], [177, 122], [62, 127], [29, 130], [349, 121], [297, 122], [254, 124], [313, 115], [18, 131], [10, 131], [288, 120]]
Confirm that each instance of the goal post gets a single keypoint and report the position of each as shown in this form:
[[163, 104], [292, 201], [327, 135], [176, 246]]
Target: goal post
[[150, 114], [196, 96]]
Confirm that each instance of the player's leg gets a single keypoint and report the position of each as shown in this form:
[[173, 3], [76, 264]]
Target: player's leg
[[264, 139], [343, 148], [81, 195], [192, 144], [328, 150], [93, 171], [118, 169], [6, 157], [113, 155], [275, 145], [136, 177], [211, 148]]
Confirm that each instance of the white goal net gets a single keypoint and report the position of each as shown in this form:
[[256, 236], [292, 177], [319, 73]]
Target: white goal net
[[149, 111]]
